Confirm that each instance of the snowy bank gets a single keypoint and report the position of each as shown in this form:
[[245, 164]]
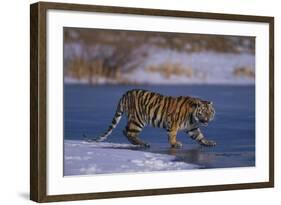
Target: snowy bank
[[86, 158], [172, 67], [201, 68]]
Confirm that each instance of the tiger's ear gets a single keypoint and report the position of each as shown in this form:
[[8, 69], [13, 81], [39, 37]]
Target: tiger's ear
[[195, 104], [207, 102]]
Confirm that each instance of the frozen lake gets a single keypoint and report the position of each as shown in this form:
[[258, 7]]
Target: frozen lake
[[90, 109]]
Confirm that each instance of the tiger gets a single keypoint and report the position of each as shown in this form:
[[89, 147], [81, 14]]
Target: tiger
[[174, 114]]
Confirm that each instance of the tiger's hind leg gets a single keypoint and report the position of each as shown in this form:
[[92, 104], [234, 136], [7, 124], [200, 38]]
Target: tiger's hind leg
[[132, 131]]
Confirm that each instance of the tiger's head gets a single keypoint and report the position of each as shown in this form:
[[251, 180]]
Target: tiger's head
[[204, 111]]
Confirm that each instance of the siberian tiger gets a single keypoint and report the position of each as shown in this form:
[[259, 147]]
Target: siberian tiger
[[171, 113]]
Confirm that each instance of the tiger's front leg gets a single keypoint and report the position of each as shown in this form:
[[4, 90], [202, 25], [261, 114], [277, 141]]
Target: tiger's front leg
[[172, 135], [197, 135]]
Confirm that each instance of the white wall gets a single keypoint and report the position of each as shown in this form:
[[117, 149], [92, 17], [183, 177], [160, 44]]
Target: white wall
[[14, 100]]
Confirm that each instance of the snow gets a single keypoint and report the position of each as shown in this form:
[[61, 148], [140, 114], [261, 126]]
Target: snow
[[207, 67], [87, 158]]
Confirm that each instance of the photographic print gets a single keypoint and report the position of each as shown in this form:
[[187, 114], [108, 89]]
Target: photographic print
[[135, 102], [140, 101]]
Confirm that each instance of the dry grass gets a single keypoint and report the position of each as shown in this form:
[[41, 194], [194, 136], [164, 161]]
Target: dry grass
[[244, 72], [82, 69], [169, 69]]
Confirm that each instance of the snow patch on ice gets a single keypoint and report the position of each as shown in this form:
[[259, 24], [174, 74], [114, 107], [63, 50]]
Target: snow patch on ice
[[85, 158]]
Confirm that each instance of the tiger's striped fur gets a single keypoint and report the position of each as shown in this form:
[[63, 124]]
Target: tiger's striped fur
[[171, 113]]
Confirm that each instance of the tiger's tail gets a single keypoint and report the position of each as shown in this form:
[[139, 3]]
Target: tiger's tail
[[116, 119]]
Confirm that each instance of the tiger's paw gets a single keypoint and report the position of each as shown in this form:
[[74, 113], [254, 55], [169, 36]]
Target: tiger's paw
[[208, 143], [177, 145]]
